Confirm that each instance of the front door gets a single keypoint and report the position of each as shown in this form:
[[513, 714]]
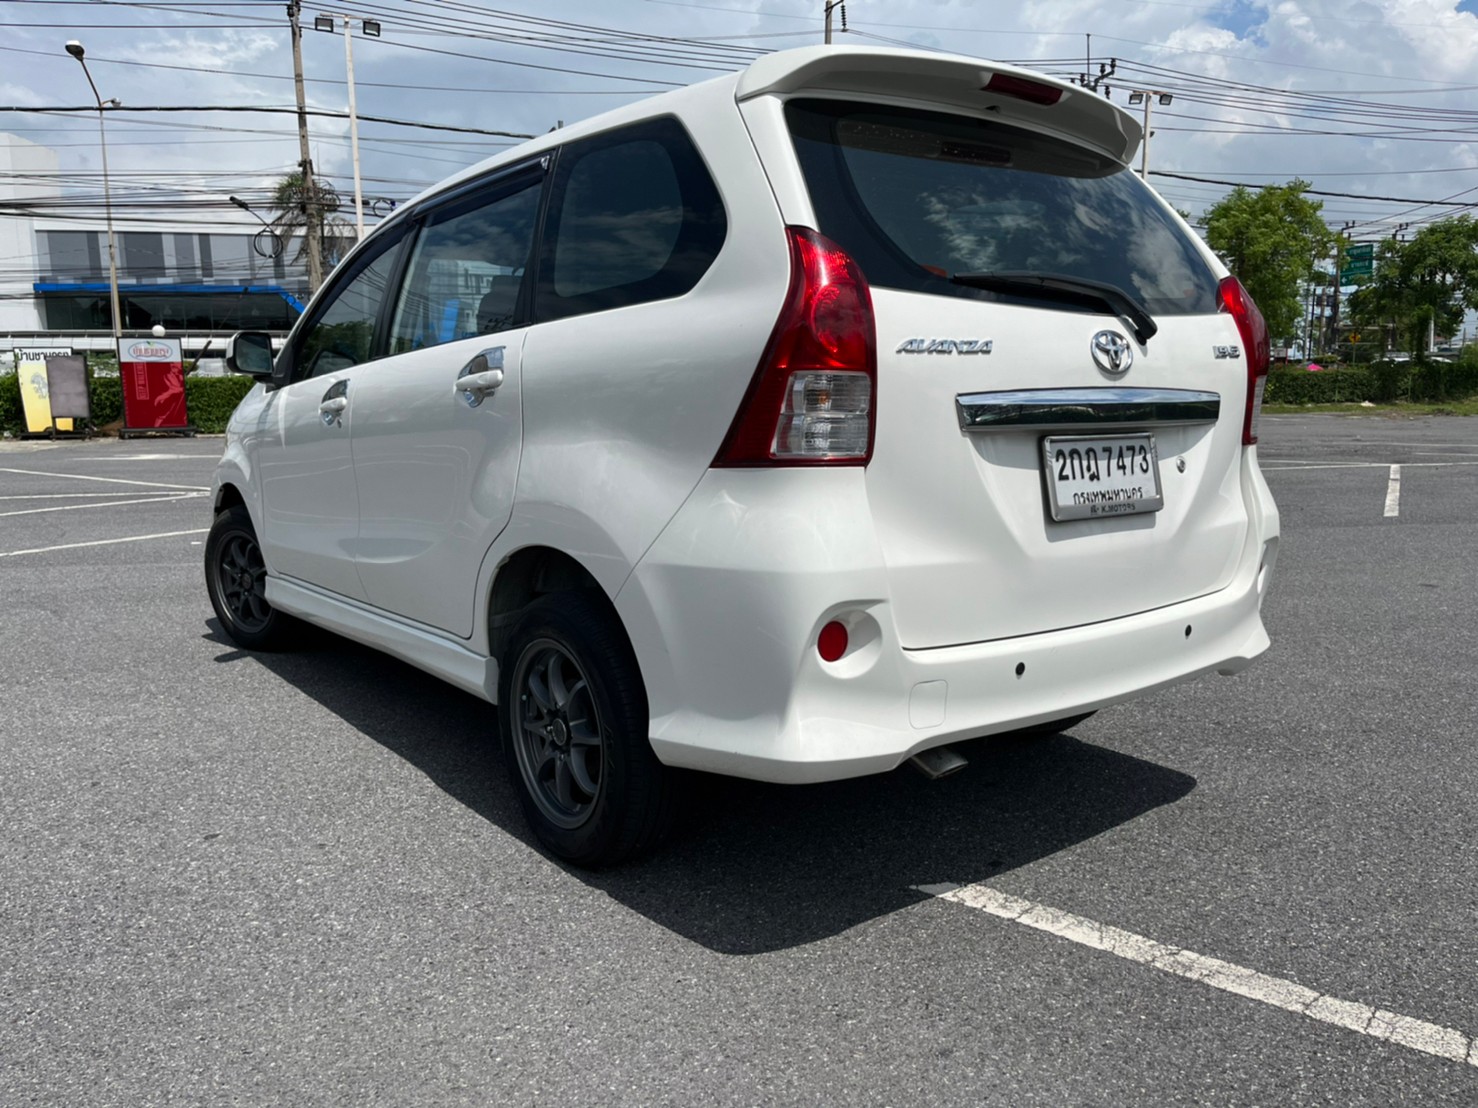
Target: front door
[[309, 494]]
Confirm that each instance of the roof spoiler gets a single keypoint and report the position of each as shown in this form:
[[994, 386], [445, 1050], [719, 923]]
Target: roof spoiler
[[951, 81]]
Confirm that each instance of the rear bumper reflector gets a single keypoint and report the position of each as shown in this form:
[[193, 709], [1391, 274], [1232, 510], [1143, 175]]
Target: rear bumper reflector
[[1067, 409]]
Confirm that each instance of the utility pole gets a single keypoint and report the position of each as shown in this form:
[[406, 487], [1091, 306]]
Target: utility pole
[[830, 4], [310, 188]]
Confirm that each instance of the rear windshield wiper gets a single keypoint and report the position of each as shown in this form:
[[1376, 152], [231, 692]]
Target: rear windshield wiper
[[1061, 285]]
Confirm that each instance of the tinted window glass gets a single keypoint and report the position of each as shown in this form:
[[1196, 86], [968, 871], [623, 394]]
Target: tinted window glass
[[71, 255], [916, 196], [635, 217], [142, 255], [466, 271], [343, 333]]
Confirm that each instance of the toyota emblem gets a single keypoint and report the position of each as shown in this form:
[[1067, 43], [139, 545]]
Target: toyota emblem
[[1112, 353]]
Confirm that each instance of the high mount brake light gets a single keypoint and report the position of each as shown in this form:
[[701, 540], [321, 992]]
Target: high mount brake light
[[1033, 92], [1254, 331], [811, 401]]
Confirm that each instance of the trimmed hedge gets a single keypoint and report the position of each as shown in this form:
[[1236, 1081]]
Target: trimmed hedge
[[209, 401], [1381, 383], [1347, 385]]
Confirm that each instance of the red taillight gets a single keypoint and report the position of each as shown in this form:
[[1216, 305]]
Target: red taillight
[[811, 401], [1254, 331]]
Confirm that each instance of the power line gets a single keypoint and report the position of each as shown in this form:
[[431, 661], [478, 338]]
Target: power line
[[1316, 192], [271, 110]]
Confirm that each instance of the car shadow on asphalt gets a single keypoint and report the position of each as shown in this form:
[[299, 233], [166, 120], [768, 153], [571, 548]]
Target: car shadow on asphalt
[[753, 867]]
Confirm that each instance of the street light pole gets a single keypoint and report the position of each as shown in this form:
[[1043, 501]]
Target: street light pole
[[75, 49], [267, 230], [353, 130], [1144, 95], [371, 28]]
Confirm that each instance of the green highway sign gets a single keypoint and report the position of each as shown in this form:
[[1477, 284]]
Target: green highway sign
[[1359, 262]]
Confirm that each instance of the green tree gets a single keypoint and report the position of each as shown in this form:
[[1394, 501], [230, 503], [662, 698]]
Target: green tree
[[1273, 241], [293, 203], [1422, 286]]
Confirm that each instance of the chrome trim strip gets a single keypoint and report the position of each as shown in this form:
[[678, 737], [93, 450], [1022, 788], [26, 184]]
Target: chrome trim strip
[[1066, 409]]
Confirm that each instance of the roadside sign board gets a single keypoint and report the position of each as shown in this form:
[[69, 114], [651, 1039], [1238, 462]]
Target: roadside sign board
[[30, 372], [1359, 262], [153, 373]]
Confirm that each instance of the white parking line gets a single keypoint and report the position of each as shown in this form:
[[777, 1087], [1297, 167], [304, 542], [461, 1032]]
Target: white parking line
[[1429, 1038], [1274, 467], [162, 457], [1398, 442], [1393, 493], [101, 542], [109, 480], [160, 498], [71, 495]]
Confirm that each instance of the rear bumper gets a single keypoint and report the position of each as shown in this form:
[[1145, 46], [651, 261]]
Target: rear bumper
[[725, 609]]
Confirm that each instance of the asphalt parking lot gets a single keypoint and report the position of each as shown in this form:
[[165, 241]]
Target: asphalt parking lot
[[303, 879]]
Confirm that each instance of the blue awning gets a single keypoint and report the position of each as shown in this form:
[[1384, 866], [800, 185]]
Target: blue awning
[[145, 290]]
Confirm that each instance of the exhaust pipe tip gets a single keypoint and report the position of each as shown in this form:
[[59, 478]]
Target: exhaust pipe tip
[[939, 761]]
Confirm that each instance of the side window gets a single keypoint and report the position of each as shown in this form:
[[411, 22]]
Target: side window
[[343, 333], [634, 217], [467, 268]]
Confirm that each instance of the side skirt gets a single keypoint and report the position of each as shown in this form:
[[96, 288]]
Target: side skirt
[[449, 659]]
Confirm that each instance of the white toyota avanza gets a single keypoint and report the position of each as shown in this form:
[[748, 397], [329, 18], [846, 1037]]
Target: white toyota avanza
[[790, 425]]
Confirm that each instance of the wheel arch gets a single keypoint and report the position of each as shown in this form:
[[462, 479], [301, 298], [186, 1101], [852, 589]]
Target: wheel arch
[[529, 573], [228, 496]]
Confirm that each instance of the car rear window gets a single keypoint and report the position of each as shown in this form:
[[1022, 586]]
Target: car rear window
[[917, 196]]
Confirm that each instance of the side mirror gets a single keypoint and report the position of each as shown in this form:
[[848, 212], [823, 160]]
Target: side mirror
[[250, 352]]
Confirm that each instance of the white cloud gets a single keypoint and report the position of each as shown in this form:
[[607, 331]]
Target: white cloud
[[1384, 59]]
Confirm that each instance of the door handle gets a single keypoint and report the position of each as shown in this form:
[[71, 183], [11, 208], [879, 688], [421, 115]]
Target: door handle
[[481, 376], [331, 408]]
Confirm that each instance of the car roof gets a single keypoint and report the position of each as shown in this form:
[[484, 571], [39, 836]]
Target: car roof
[[946, 80]]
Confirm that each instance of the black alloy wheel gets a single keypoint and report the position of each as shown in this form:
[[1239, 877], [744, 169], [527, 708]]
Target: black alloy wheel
[[236, 579], [574, 715]]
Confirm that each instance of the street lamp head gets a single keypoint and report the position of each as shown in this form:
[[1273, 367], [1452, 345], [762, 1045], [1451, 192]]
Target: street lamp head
[[240, 203], [75, 49], [323, 23], [1136, 97], [1165, 99]]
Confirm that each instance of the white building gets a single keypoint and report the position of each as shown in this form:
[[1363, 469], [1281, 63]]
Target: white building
[[202, 276]]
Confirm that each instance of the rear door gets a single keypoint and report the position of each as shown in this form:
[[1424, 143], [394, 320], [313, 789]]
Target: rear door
[[439, 421], [976, 384]]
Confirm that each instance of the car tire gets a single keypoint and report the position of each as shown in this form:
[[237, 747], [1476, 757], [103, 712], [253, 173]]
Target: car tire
[[573, 710], [236, 579]]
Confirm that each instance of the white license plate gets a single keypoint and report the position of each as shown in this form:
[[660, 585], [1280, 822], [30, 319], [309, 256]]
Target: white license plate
[[1093, 476]]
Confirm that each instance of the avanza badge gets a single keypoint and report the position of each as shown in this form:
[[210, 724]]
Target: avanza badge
[[944, 346]]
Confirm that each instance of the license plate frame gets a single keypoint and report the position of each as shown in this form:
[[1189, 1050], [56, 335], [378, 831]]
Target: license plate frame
[[1101, 476]]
